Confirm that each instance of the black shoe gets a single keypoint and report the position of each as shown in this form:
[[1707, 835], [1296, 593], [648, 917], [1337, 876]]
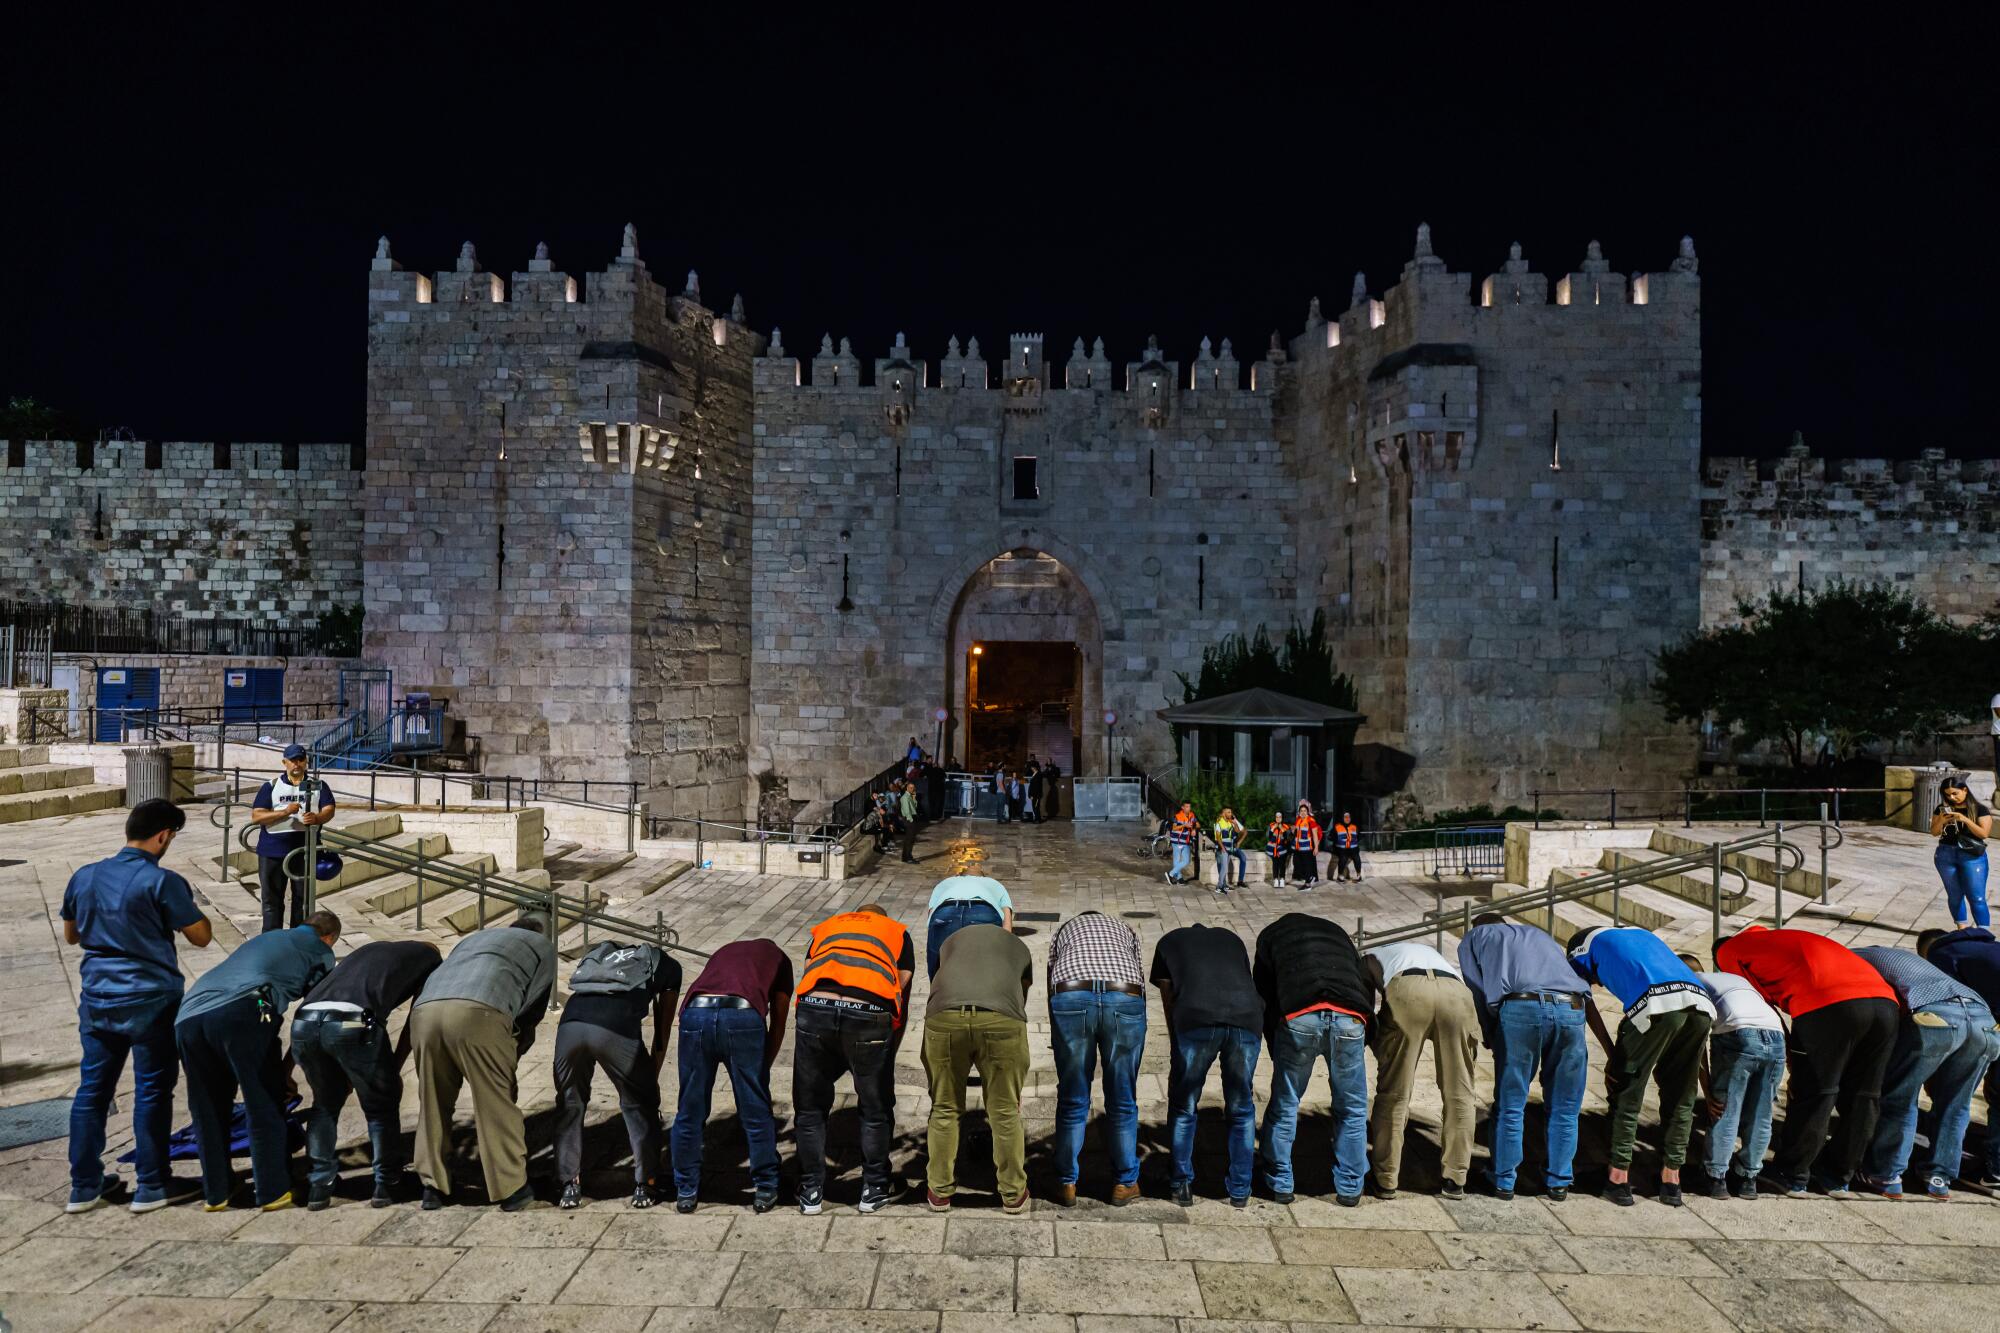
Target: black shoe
[[1619, 1193], [319, 1198], [1557, 1193], [1182, 1193], [810, 1200], [384, 1195], [1670, 1194], [1239, 1201], [433, 1200], [1745, 1188], [1382, 1192], [1348, 1200], [572, 1195], [874, 1198], [1718, 1188], [642, 1196], [518, 1200], [687, 1203], [761, 1203], [1453, 1190], [1505, 1196]]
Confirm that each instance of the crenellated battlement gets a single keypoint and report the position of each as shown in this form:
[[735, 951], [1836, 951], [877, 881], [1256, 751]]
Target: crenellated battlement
[[902, 370], [112, 458], [1799, 468]]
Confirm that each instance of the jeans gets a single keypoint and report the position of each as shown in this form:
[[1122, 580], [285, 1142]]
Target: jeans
[[1225, 855], [1838, 1056], [1531, 1035], [274, 888], [1295, 1044], [1947, 1048], [1964, 876], [733, 1039], [828, 1042], [1084, 1027], [1668, 1053], [1194, 1050], [1183, 861], [141, 1026], [951, 918], [1745, 1067], [955, 1040], [226, 1049], [582, 1048], [341, 1053]]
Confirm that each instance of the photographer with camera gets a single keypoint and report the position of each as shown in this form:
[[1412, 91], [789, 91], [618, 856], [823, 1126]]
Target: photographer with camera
[[1962, 825]]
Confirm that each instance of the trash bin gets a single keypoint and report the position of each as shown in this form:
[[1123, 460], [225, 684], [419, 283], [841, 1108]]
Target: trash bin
[[1925, 787], [149, 774]]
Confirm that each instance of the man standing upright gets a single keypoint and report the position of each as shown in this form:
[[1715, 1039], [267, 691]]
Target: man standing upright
[[978, 1016], [279, 810], [1318, 1002], [906, 810], [1097, 1013], [853, 996], [1972, 956], [1213, 1010], [1662, 1037], [745, 987], [1531, 1006], [474, 1020], [1424, 998], [1843, 1031], [1181, 834], [125, 912], [615, 986]]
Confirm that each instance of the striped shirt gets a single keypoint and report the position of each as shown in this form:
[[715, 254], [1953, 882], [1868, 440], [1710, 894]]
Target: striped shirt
[[1918, 984], [1095, 947]]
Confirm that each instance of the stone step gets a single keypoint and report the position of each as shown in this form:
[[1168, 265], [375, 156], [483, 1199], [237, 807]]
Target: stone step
[[62, 801], [359, 824], [1759, 866], [1697, 890], [554, 849], [1635, 906], [354, 870], [459, 911], [587, 866], [44, 777], [397, 894], [23, 756], [639, 909]]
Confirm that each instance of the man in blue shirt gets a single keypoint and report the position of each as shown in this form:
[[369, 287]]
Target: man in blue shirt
[[1531, 1007], [124, 913], [279, 809], [1972, 956], [228, 1038], [959, 901], [1662, 1037]]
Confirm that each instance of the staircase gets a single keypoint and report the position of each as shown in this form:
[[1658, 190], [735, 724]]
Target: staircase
[[33, 788]]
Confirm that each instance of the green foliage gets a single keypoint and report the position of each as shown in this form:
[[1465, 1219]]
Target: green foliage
[[1486, 814], [1303, 667], [28, 419], [1825, 671], [340, 631], [1253, 802]]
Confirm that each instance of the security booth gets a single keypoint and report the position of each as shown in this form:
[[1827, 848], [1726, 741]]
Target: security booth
[[1260, 735]]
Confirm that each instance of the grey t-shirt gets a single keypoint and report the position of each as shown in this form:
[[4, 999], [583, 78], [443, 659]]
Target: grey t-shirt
[[503, 967], [984, 966]]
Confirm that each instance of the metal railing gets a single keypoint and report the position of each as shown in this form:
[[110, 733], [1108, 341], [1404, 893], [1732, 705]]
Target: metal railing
[[27, 656], [96, 629], [1689, 803], [1475, 850], [706, 831], [852, 808], [1712, 861]]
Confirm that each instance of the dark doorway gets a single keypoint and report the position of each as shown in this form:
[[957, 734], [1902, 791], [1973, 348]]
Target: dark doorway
[[1023, 698]]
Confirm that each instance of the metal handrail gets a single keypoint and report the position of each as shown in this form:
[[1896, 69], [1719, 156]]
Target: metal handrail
[[1688, 793], [1787, 857]]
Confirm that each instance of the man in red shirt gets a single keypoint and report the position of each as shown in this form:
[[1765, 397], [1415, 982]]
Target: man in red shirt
[[1843, 1032]]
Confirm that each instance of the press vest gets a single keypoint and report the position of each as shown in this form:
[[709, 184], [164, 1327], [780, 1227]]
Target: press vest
[[1346, 836], [857, 951]]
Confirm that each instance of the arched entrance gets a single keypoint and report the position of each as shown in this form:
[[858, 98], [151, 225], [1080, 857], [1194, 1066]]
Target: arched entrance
[[1025, 660]]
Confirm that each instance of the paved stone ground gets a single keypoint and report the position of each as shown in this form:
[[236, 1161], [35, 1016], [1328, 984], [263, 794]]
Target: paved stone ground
[[1415, 1261]]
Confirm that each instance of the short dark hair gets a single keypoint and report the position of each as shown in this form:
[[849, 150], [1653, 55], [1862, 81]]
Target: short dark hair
[[534, 921], [153, 817], [1489, 919], [324, 922], [1690, 960], [1927, 938], [1721, 940]]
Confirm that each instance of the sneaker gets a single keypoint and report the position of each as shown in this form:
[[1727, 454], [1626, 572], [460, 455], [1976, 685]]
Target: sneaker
[[1744, 1188], [1839, 1189], [1169, 878], [1670, 1194], [1718, 1188], [939, 1203], [1348, 1200], [643, 1196], [518, 1200], [1507, 1196], [277, 1205], [1797, 1189], [1938, 1188], [82, 1201], [761, 1202], [432, 1200], [1382, 1191], [809, 1200], [572, 1195], [1887, 1187], [1620, 1193], [1453, 1190], [1990, 1180], [319, 1198], [1239, 1201], [176, 1190], [874, 1198], [687, 1203], [1016, 1205], [1557, 1193], [208, 1207], [1182, 1193]]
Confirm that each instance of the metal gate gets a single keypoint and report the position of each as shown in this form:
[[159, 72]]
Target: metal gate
[[128, 698], [253, 694]]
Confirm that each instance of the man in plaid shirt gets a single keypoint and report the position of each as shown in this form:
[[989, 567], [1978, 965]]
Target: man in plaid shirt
[[1097, 1014]]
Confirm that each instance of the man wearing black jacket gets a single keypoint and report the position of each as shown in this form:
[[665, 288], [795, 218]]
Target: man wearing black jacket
[[1318, 1000]]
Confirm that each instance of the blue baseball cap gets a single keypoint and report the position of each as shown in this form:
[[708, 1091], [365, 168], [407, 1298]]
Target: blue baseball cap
[[295, 751]]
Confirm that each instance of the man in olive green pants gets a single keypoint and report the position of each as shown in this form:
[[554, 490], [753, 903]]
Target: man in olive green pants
[[1424, 998], [978, 1015]]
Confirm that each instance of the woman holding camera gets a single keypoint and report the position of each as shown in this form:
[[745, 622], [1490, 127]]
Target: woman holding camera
[[1962, 826]]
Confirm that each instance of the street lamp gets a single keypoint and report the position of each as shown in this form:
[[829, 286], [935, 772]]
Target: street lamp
[[1110, 721], [940, 715]]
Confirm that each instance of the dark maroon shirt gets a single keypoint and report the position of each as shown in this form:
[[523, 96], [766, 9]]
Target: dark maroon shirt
[[757, 970]]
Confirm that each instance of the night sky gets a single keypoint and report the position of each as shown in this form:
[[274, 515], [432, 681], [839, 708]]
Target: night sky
[[191, 202]]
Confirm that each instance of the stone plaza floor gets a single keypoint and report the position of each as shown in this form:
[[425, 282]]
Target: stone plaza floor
[[1415, 1261]]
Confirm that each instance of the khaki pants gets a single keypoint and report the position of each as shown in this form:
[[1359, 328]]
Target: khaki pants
[[458, 1042], [1417, 1008], [954, 1041]]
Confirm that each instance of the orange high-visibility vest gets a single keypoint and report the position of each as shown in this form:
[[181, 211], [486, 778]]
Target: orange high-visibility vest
[[1346, 835], [1184, 827], [857, 950], [1305, 834]]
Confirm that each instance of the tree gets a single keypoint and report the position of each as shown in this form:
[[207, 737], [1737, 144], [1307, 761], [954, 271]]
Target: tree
[[1303, 668], [1830, 670]]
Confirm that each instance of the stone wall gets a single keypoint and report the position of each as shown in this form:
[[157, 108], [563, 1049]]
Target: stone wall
[[1931, 526], [267, 533], [189, 680]]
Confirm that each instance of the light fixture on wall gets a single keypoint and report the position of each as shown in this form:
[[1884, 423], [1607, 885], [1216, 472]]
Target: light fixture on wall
[[978, 650], [1555, 441]]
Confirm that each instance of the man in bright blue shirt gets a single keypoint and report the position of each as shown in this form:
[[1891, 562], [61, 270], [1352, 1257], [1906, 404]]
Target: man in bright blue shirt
[[959, 901], [1531, 1010], [1663, 1035], [279, 810], [124, 912], [228, 1038]]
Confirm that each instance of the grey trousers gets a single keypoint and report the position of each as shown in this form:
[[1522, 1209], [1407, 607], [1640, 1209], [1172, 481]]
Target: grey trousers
[[582, 1048]]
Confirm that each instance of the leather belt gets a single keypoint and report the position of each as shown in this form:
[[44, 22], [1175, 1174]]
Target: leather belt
[[718, 1002], [1122, 987], [1569, 998]]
